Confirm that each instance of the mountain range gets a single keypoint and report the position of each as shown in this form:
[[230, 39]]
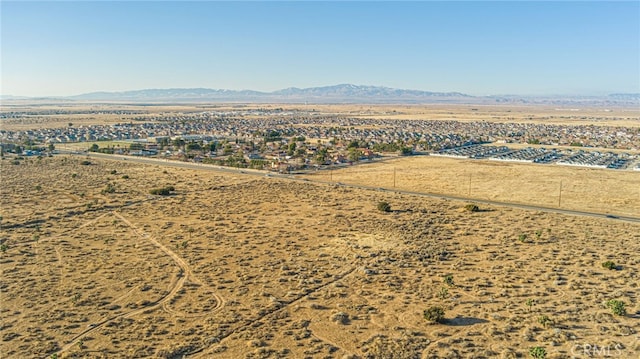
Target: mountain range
[[343, 93]]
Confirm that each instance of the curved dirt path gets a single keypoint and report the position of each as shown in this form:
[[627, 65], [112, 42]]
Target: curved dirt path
[[185, 273], [200, 353], [186, 269]]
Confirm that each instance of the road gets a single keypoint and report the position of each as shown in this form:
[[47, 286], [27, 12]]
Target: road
[[251, 172]]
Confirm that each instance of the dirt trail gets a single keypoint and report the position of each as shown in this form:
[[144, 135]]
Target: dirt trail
[[199, 353], [185, 273]]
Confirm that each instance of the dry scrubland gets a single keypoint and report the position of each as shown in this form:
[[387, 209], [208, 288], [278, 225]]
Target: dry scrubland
[[583, 189], [238, 267]]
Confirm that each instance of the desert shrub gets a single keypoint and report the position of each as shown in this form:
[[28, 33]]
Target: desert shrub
[[164, 191], [544, 320], [109, 189], [609, 265], [85, 163], [448, 279], [530, 303], [125, 177], [341, 318], [522, 237], [538, 353], [384, 206], [444, 293], [113, 172], [471, 208], [74, 175], [434, 314], [617, 307], [3, 247]]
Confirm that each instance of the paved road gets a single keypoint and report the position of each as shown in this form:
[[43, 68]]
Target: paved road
[[250, 172]]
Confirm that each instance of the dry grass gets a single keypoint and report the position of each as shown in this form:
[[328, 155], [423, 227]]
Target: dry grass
[[238, 267], [584, 189]]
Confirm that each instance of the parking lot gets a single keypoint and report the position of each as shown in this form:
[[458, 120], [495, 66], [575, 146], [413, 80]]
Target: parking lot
[[543, 155]]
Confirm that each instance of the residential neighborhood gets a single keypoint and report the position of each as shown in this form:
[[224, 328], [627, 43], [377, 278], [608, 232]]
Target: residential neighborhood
[[285, 140]]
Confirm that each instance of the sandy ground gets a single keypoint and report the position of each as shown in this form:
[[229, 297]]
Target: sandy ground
[[243, 267]]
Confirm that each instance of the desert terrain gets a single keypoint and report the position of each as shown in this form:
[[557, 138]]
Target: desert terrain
[[237, 266]]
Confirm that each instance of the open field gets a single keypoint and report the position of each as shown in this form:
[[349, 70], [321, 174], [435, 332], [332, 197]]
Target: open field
[[586, 189], [231, 266]]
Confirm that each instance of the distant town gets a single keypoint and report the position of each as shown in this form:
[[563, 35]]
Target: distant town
[[289, 140]]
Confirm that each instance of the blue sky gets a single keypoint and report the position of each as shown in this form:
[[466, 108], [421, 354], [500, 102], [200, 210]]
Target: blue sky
[[479, 48]]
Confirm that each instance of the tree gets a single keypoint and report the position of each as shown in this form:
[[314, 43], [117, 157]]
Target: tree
[[292, 148], [178, 143], [354, 154], [193, 146], [321, 155], [94, 148], [162, 142], [213, 146]]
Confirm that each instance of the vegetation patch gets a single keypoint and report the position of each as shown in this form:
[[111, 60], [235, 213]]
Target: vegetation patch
[[384, 206], [434, 314], [617, 307], [471, 207], [538, 352], [164, 191]]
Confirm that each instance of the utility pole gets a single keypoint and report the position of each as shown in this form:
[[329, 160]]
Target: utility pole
[[560, 194], [394, 177]]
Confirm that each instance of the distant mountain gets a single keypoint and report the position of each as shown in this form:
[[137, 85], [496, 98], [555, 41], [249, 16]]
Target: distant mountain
[[354, 91], [625, 96], [166, 94], [345, 93], [11, 97]]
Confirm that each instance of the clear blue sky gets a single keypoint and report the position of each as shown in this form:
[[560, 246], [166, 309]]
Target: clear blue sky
[[479, 48]]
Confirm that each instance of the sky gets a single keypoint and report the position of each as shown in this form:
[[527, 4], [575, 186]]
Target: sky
[[57, 48]]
